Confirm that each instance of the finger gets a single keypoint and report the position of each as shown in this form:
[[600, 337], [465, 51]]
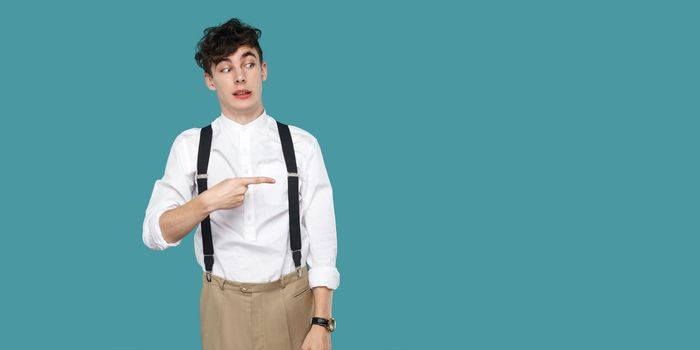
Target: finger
[[256, 180]]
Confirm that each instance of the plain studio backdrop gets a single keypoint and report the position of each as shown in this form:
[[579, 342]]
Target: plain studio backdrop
[[506, 174]]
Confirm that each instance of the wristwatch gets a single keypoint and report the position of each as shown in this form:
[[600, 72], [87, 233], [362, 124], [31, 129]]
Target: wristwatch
[[324, 322]]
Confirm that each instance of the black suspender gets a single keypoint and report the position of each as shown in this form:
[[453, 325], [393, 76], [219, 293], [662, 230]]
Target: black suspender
[[202, 165], [293, 193]]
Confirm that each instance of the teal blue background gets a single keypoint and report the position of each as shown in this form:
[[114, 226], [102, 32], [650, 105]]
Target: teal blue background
[[507, 175]]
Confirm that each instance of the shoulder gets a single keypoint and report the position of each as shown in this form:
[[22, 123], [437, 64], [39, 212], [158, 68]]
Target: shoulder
[[187, 138], [185, 145], [189, 135], [305, 143], [300, 135]]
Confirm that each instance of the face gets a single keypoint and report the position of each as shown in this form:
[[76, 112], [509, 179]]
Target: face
[[240, 70]]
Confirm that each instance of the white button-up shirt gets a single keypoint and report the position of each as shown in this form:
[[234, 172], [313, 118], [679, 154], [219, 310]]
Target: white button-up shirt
[[251, 242]]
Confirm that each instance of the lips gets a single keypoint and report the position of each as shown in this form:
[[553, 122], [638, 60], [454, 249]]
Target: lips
[[241, 92]]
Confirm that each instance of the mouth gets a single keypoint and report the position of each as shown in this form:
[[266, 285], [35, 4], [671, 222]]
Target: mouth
[[243, 93]]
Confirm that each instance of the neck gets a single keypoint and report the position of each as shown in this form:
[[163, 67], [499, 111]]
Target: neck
[[243, 117]]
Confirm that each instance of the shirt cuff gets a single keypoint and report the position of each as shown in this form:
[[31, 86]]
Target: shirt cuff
[[327, 276], [157, 234]]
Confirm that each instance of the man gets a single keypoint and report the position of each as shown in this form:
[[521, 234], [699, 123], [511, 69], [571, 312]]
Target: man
[[258, 192]]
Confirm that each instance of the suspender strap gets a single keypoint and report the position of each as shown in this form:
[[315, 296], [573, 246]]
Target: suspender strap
[[293, 193], [202, 165]]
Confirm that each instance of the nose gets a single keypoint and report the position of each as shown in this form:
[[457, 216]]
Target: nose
[[240, 78]]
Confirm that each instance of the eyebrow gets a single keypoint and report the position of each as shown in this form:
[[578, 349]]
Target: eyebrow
[[244, 55]]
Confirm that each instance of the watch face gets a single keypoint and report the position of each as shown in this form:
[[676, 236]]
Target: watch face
[[331, 324]]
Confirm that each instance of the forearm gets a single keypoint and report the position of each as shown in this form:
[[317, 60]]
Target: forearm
[[176, 223], [323, 300]]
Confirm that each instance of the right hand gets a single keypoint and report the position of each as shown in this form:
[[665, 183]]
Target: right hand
[[230, 192]]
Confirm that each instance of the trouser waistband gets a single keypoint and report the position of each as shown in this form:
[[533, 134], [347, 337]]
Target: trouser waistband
[[257, 287]]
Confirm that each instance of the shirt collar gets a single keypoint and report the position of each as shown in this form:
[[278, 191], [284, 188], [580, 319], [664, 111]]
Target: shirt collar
[[256, 124]]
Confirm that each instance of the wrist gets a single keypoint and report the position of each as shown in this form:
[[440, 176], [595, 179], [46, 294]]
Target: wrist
[[205, 204], [320, 327]]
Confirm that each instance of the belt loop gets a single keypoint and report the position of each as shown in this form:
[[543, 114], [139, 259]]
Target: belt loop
[[223, 283]]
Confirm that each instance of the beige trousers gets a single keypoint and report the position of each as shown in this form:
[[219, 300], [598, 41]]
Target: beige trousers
[[256, 316]]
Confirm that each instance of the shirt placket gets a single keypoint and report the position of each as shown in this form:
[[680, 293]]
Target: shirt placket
[[248, 208]]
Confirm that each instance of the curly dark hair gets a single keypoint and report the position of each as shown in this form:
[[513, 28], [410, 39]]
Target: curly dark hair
[[221, 41]]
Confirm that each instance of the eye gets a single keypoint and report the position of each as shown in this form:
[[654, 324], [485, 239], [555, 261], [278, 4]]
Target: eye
[[251, 64], [225, 70]]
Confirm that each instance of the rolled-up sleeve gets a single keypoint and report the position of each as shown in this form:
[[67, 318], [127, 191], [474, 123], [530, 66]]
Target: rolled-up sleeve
[[318, 216], [172, 190]]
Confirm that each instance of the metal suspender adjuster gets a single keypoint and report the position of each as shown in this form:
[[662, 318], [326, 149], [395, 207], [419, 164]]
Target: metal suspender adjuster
[[293, 174], [201, 176]]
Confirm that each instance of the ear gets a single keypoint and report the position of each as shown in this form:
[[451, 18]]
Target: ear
[[209, 82], [263, 67]]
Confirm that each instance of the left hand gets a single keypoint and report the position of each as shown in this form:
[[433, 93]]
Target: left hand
[[318, 338]]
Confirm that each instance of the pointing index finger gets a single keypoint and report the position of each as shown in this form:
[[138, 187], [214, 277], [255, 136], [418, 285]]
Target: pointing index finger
[[257, 180]]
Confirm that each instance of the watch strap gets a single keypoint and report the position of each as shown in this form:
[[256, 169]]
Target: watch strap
[[329, 325], [320, 321]]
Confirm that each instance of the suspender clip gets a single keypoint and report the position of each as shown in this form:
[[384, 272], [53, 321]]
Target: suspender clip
[[294, 253], [208, 264]]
